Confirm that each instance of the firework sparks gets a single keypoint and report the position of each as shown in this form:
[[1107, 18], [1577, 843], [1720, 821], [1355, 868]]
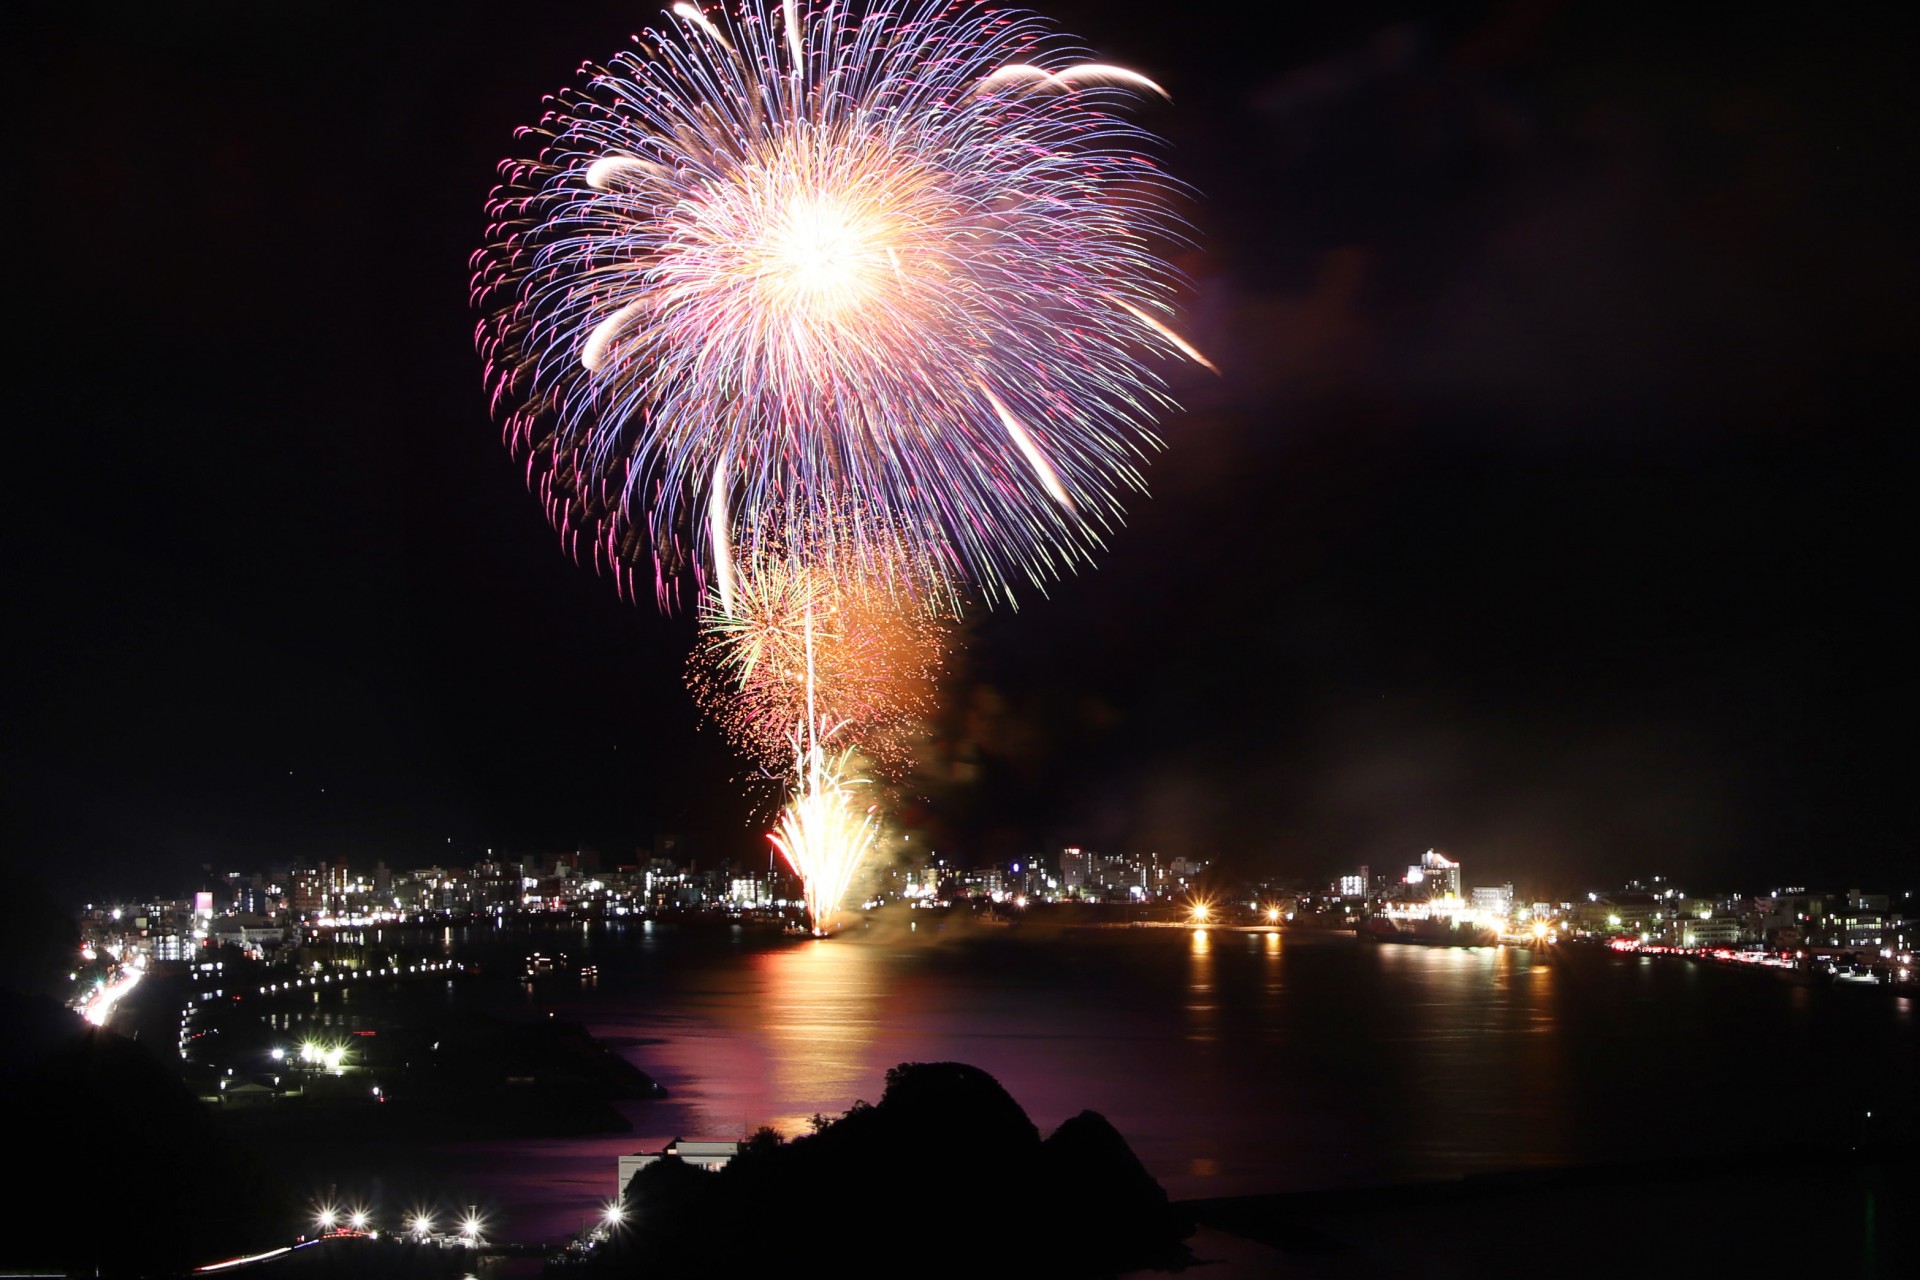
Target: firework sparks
[[781, 261], [795, 643], [824, 832]]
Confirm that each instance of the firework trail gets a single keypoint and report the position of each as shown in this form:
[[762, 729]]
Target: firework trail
[[799, 259]]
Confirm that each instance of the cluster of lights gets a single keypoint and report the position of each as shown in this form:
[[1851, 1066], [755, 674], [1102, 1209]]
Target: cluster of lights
[[330, 1056], [331, 1220], [97, 1005], [327, 979], [334, 1221], [1902, 971]]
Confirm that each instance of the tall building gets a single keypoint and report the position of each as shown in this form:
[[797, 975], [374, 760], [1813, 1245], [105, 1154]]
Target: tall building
[[309, 892], [1073, 871], [1437, 875]]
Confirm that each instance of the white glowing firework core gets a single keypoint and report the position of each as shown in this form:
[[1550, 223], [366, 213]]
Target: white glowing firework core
[[806, 258], [820, 256]]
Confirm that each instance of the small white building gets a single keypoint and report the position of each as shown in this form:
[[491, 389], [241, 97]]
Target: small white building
[[1493, 900], [702, 1153]]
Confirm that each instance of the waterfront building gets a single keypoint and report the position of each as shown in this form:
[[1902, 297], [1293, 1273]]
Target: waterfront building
[[1113, 875], [1710, 931], [247, 932], [1434, 876], [1493, 900], [1618, 914], [1073, 871], [703, 1153], [1442, 874]]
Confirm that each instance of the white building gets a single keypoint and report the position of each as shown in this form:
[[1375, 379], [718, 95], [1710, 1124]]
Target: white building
[[1493, 900], [702, 1153], [1710, 931]]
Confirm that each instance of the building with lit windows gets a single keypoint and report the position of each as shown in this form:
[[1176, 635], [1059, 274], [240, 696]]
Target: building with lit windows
[[1493, 900]]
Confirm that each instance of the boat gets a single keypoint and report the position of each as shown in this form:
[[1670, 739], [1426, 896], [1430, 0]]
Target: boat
[[540, 965], [1432, 931]]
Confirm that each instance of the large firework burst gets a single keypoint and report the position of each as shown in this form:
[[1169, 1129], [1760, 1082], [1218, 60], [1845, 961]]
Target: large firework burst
[[777, 265]]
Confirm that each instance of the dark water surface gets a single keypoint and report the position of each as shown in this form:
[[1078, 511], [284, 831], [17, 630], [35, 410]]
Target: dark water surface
[[1234, 1062]]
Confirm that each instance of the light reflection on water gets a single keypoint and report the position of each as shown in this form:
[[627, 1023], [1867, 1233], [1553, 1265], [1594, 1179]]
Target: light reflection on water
[[817, 1015], [1233, 1061], [1201, 1009]]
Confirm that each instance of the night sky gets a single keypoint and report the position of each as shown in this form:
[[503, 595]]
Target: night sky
[[1552, 508]]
